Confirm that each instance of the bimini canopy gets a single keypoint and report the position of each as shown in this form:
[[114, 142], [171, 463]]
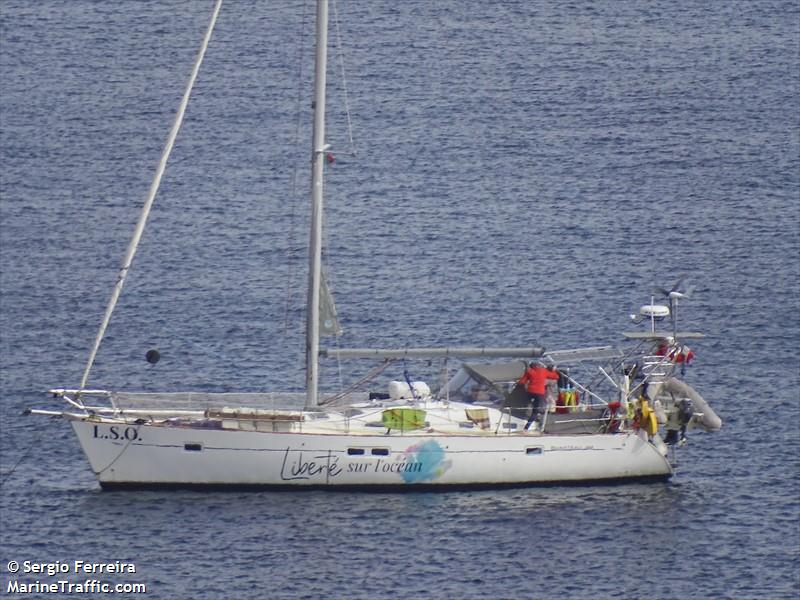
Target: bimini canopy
[[482, 382], [494, 382], [508, 372]]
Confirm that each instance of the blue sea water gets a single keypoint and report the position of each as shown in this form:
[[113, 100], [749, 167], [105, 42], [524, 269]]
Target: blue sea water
[[520, 173]]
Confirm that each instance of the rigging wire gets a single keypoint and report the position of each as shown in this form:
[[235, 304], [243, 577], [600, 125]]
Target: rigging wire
[[372, 374], [353, 152], [290, 253], [329, 281], [340, 51], [338, 360], [294, 186]]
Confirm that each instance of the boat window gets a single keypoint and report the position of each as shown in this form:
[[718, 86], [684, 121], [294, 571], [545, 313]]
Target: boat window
[[355, 451], [466, 424], [509, 425], [380, 452], [192, 447], [534, 450]]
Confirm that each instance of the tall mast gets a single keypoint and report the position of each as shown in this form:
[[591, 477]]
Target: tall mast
[[315, 241]]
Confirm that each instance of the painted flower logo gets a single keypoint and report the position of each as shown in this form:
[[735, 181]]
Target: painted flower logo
[[431, 458]]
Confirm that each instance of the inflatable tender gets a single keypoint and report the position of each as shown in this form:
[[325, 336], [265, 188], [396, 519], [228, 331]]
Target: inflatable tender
[[704, 415]]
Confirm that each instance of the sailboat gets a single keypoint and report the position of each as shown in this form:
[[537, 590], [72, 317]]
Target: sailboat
[[622, 420]]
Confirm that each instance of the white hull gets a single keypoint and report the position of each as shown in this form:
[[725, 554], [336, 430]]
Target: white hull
[[125, 455]]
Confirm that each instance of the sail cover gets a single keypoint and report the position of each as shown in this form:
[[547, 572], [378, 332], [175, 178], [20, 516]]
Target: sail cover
[[328, 322]]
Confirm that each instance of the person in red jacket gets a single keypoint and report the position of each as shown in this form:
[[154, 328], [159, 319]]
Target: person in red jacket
[[535, 380]]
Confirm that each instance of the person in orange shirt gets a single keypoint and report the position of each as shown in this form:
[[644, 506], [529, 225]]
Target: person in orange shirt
[[535, 380]]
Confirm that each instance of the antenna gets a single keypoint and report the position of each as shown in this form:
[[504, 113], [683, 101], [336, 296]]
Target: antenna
[[652, 312], [673, 295]]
